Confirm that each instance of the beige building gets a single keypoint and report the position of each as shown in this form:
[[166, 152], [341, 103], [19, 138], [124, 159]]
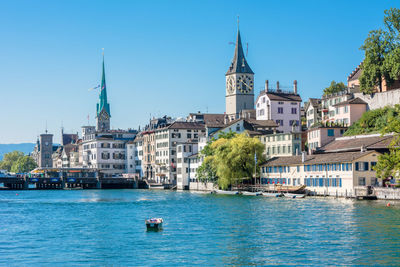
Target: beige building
[[322, 135], [348, 112], [149, 155], [281, 144], [328, 174]]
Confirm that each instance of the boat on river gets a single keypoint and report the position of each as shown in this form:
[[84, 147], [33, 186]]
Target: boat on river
[[247, 193], [272, 194], [225, 192], [290, 189], [290, 195], [154, 224]]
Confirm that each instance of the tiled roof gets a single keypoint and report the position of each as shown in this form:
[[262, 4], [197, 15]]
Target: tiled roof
[[353, 101], [187, 125], [281, 96], [352, 143], [355, 75], [318, 158]]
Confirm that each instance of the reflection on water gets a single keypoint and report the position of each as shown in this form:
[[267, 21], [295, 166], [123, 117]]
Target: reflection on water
[[106, 227]]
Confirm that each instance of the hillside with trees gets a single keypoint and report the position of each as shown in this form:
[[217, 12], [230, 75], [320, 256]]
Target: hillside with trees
[[373, 121]]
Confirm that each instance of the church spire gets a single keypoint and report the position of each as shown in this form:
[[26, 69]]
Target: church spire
[[103, 104], [239, 63]]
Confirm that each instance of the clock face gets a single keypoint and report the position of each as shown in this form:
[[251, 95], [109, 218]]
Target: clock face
[[245, 84], [104, 116]]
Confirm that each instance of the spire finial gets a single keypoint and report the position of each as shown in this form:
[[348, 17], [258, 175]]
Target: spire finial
[[238, 22], [102, 51]]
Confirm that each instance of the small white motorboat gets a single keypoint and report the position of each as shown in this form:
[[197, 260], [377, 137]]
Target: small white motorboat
[[224, 192], [290, 195], [154, 224], [272, 194], [247, 193]]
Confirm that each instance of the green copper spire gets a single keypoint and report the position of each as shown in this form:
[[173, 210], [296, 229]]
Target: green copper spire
[[103, 104]]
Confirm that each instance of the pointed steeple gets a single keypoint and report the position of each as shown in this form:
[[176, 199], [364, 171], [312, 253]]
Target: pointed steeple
[[103, 104], [239, 63]]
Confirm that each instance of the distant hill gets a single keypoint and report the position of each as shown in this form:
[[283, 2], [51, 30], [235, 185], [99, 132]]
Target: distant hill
[[24, 147]]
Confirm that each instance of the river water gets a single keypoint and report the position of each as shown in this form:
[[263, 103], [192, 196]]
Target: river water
[[106, 227]]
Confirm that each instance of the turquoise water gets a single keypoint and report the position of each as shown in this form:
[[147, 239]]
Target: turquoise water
[[106, 227]]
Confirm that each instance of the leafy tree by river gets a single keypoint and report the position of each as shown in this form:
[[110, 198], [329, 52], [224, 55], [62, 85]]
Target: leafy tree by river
[[17, 161], [382, 54], [231, 158]]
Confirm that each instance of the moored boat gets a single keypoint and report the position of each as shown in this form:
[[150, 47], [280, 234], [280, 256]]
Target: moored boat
[[290, 195], [225, 192], [272, 194], [290, 189], [247, 193], [154, 224]]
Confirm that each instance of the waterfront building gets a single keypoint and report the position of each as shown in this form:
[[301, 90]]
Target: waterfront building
[[328, 173], [283, 107], [134, 156], [312, 111], [281, 144], [167, 138], [185, 171], [239, 81], [321, 135], [149, 154]]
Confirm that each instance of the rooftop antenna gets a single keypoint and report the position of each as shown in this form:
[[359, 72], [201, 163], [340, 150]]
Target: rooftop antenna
[[46, 127]]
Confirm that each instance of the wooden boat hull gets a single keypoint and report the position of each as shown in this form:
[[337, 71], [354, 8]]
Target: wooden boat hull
[[291, 189], [224, 192]]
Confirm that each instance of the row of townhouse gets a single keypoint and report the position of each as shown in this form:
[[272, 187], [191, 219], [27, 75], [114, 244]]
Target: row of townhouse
[[328, 174]]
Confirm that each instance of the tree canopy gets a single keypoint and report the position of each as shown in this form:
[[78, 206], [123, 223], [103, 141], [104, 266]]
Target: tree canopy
[[373, 121], [334, 88], [389, 163], [232, 159], [382, 54], [16, 162]]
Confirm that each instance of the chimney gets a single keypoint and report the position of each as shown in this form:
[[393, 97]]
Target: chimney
[[266, 85], [277, 87], [295, 87]]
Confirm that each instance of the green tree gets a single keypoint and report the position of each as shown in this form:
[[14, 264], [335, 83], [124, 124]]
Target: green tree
[[334, 88], [382, 54], [23, 164], [9, 159], [233, 159], [206, 172], [389, 163]]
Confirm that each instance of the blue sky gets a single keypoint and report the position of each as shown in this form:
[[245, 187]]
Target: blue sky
[[164, 57]]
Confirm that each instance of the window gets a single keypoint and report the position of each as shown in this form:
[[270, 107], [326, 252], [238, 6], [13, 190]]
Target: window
[[361, 181], [280, 103], [238, 128], [346, 109], [279, 122], [331, 132], [280, 110], [294, 110], [189, 135], [373, 164]]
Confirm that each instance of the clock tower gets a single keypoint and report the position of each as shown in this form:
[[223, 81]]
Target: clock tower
[[103, 107], [239, 84]]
